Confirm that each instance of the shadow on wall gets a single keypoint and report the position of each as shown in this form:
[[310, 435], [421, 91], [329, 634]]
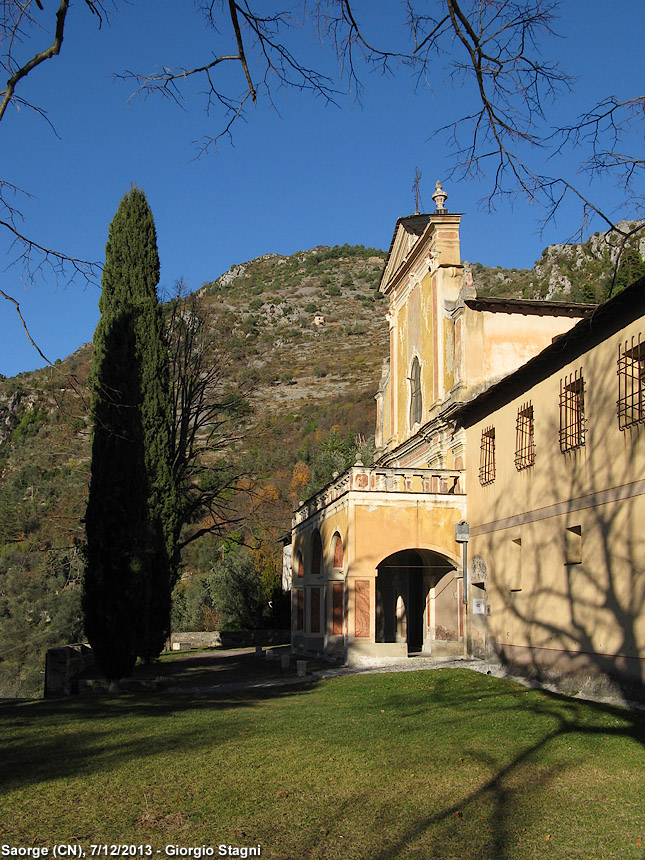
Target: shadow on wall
[[568, 589]]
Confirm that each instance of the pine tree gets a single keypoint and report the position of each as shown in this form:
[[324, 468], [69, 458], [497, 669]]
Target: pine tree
[[131, 508], [631, 268]]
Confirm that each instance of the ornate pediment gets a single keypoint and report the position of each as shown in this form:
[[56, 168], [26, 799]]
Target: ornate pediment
[[406, 235]]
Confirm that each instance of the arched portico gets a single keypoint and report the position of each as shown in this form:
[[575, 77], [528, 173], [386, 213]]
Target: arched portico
[[380, 565], [418, 600]]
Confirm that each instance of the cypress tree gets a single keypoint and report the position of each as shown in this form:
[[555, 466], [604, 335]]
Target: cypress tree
[[131, 508]]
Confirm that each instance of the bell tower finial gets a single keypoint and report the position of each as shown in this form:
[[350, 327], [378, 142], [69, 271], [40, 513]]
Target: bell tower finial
[[440, 198]]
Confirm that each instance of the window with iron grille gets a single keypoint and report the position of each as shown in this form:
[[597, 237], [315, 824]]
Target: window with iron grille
[[524, 438], [631, 382], [487, 457], [572, 412]]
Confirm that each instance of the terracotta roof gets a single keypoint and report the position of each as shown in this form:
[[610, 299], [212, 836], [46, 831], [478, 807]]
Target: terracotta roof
[[530, 306], [597, 326]]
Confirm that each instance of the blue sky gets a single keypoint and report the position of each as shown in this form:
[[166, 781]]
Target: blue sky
[[314, 174]]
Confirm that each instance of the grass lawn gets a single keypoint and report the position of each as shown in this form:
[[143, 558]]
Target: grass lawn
[[434, 765]]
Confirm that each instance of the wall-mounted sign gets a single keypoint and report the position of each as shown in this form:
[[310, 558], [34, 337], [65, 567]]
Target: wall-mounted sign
[[479, 607], [461, 532], [488, 609]]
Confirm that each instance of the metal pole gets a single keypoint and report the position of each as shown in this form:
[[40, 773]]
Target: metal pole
[[465, 563], [461, 536], [465, 598]]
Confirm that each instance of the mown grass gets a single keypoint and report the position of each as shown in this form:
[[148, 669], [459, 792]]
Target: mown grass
[[441, 764]]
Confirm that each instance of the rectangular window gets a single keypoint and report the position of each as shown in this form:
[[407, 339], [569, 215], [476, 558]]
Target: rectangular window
[[631, 382], [300, 609], [516, 565], [337, 608], [314, 610], [573, 545], [487, 457], [572, 412], [524, 438]]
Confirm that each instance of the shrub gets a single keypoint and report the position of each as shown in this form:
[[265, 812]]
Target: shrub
[[29, 425], [357, 328]]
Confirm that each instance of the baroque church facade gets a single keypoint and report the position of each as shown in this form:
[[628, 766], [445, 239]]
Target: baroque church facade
[[376, 568]]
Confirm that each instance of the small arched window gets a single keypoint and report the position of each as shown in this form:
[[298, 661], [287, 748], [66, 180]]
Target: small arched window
[[415, 393], [338, 551]]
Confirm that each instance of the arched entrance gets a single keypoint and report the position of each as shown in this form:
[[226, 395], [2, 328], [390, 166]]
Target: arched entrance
[[418, 600]]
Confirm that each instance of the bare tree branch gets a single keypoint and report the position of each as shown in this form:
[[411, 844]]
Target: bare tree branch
[[206, 421], [492, 49], [21, 11], [249, 31], [15, 19], [24, 325]]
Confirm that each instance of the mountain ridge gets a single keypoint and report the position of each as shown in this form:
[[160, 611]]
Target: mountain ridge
[[304, 337]]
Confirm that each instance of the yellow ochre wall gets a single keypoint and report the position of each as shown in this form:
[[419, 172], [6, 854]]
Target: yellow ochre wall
[[417, 294], [372, 526], [499, 343], [395, 524], [564, 540]]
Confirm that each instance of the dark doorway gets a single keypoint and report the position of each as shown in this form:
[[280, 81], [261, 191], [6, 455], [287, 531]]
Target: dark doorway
[[416, 606], [403, 593]]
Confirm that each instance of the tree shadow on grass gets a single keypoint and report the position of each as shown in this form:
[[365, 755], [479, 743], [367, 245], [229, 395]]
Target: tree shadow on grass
[[36, 735], [207, 669], [490, 780], [496, 786], [482, 823]]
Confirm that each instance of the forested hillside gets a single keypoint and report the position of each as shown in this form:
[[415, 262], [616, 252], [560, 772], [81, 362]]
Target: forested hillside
[[301, 339]]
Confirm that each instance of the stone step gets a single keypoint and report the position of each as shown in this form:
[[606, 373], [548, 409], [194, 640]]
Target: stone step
[[444, 648]]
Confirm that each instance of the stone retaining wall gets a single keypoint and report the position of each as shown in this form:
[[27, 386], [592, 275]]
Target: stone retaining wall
[[230, 639], [62, 665]]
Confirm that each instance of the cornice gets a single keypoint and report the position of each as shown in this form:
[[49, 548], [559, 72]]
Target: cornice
[[415, 253]]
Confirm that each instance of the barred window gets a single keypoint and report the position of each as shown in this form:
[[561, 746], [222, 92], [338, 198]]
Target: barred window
[[631, 382], [487, 457], [572, 412], [524, 438]]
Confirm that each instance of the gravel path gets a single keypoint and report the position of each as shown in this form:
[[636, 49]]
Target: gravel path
[[242, 670]]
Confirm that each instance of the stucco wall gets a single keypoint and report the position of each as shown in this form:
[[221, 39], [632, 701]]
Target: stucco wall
[[373, 525], [418, 288], [389, 523], [498, 343], [563, 540]]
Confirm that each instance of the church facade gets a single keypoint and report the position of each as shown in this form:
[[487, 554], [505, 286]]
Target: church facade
[[376, 570]]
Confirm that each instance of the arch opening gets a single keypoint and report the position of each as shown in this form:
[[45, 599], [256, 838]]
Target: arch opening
[[417, 600]]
